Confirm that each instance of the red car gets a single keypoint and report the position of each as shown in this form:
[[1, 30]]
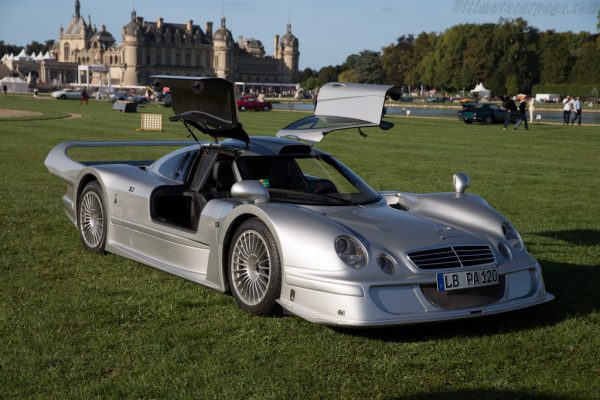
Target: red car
[[251, 103]]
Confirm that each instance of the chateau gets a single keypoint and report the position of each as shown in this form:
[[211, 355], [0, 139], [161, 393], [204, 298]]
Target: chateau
[[159, 47]]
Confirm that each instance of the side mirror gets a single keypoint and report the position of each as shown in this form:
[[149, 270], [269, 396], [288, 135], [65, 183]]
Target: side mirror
[[253, 191], [461, 182]]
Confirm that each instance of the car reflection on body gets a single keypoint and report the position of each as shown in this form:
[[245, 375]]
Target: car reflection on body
[[279, 223]]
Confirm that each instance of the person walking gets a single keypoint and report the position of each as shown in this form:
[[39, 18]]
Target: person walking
[[509, 107], [577, 107], [567, 107], [522, 117]]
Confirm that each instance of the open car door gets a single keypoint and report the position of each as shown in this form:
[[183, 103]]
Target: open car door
[[207, 104]]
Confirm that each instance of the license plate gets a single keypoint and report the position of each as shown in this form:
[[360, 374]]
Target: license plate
[[466, 279]]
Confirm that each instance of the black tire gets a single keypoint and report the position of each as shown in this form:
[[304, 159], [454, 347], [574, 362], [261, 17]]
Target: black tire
[[63, 97], [242, 108], [468, 121], [91, 218], [254, 269], [488, 120], [266, 108]]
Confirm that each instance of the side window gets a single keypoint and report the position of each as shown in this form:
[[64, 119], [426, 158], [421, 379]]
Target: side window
[[177, 168]]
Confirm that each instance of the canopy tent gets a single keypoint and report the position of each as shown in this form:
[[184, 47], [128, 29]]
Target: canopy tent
[[14, 85], [481, 91]]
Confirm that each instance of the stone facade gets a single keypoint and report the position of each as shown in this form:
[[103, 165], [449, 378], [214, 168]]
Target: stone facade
[[157, 47]]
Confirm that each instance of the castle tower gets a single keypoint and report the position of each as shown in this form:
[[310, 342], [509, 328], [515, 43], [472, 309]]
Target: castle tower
[[223, 51], [131, 57], [290, 54]]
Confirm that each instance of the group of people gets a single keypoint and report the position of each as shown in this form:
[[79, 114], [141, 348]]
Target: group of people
[[570, 105], [527, 103], [510, 107]]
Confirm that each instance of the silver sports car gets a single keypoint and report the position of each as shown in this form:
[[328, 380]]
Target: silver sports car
[[279, 223]]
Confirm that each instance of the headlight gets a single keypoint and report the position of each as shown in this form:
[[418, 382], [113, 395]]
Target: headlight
[[351, 252], [512, 237]]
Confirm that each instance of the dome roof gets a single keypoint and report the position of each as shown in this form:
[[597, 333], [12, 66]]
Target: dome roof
[[132, 26], [289, 39], [104, 37], [223, 33]]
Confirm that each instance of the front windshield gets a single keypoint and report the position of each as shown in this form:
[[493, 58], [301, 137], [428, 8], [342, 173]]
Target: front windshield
[[311, 180]]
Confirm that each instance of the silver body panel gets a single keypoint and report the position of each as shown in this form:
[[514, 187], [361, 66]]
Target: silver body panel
[[316, 284]]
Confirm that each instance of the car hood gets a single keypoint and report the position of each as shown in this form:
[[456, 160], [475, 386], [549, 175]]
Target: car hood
[[208, 104], [397, 230]]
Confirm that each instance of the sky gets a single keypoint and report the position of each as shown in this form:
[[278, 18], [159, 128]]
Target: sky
[[328, 30]]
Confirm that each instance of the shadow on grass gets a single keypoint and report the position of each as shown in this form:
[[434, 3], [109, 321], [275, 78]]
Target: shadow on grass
[[578, 237], [482, 394], [575, 289]]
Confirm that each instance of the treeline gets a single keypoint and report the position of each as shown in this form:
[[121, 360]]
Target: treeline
[[6, 48], [508, 57]]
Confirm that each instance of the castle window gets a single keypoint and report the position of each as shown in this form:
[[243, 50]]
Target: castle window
[[67, 51]]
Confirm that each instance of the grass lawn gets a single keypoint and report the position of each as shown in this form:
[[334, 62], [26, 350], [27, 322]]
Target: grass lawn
[[76, 325]]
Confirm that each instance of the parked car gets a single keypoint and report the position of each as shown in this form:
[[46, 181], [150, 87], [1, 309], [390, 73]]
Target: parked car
[[123, 96], [252, 103], [487, 113], [279, 223], [64, 94]]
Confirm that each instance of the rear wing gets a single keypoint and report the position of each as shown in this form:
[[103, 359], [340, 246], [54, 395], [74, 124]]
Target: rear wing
[[62, 165], [343, 106]]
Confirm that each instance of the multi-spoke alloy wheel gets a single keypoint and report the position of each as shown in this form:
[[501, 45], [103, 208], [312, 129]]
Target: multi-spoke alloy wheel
[[91, 218], [254, 268]]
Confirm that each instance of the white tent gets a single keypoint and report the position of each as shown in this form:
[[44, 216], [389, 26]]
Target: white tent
[[481, 91], [23, 56], [14, 85]]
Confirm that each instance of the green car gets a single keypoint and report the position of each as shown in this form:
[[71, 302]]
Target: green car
[[488, 113]]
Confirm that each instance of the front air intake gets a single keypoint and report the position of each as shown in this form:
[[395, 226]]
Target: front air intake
[[452, 257]]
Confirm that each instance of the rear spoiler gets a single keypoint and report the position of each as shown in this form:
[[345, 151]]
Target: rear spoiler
[[62, 165]]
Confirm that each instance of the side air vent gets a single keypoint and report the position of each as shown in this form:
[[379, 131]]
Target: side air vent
[[452, 257]]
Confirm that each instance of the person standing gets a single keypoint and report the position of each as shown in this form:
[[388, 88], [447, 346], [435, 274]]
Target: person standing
[[84, 97], [509, 107], [567, 107], [522, 117], [4, 89], [531, 109], [577, 107]]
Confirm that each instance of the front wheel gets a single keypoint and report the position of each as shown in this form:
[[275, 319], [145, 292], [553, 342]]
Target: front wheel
[[91, 218], [488, 120], [266, 108], [255, 268]]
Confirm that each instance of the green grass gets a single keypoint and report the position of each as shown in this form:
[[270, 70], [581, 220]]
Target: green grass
[[76, 325]]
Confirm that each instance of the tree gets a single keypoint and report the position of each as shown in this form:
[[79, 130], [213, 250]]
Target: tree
[[367, 65], [327, 74], [349, 76], [398, 60]]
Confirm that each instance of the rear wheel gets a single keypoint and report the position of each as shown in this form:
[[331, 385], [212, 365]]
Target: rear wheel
[[255, 268], [266, 108], [487, 120], [91, 218]]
